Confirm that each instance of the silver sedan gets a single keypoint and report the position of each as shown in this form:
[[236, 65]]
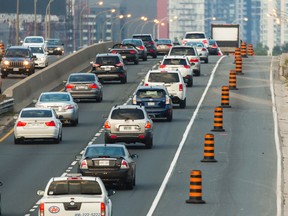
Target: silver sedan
[[37, 124], [62, 103]]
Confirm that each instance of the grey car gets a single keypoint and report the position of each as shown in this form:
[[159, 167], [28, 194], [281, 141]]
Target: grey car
[[84, 86], [201, 49], [62, 103], [129, 124]]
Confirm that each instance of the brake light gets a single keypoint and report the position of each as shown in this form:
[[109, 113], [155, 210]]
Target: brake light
[[162, 66], [113, 51], [132, 51], [21, 124], [203, 49], [169, 45], [141, 47], [50, 124], [214, 46], [148, 125], [167, 101], [41, 209], [124, 164], [180, 87], [194, 60], [119, 64], [70, 86], [205, 41], [107, 125], [186, 66], [183, 42], [151, 42], [134, 100], [83, 165], [96, 65], [102, 207], [69, 107], [93, 86], [146, 84]]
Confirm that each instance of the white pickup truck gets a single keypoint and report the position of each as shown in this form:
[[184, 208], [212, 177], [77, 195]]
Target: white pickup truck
[[75, 195]]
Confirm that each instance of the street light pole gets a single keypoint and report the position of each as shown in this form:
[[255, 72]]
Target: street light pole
[[47, 24], [17, 23], [35, 18]]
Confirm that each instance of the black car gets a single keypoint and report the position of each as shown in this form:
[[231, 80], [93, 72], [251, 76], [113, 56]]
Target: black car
[[18, 60], [213, 48], [128, 52], [54, 46], [140, 46], [111, 162], [109, 67], [148, 42]]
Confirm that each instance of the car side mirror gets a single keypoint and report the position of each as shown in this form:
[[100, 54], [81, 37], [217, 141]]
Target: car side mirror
[[34, 101], [111, 192], [40, 192], [76, 100], [15, 116], [64, 81], [60, 117], [134, 156]]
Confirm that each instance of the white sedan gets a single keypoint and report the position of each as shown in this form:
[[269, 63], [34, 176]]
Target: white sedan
[[41, 55], [37, 124]]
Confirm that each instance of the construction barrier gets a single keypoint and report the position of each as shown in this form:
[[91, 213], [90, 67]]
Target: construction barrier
[[237, 53], [2, 47], [250, 50], [195, 192], [232, 80], [238, 66], [244, 50], [218, 119], [225, 97], [209, 148]]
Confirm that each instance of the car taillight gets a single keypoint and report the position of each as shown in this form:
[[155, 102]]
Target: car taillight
[[83, 165], [186, 66], [146, 84], [169, 45], [148, 125], [113, 51], [102, 207], [21, 124], [183, 42], [214, 46], [203, 49], [141, 47], [41, 209], [50, 124], [162, 66], [180, 87], [194, 60], [205, 41], [69, 86], [96, 65], [119, 64], [167, 101], [134, 101], [69, 107], [107, 125], [93, 86], [132, 51], [124, 164], [150, 42]]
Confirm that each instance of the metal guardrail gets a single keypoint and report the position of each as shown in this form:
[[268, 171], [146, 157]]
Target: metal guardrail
[[6, 106]]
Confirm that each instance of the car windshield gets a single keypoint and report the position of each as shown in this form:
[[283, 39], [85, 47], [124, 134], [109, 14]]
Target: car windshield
[[53, 42], [164, 41], [74, 187], [107, 60], [33, 40], [157, 93], [132, 114], [92, 152], [22, 53], [81, 78], [212, 42], [182, 51], [195, 44], [36, 114], [143, 37], [174, 62], [37, 50], [54, 97], [194, 36], [163, 77]]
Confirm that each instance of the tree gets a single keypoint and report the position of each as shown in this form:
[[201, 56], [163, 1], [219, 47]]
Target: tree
[[260, 49], [276, 50]]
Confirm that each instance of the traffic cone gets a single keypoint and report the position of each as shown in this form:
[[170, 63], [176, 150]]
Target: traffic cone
[[225, 97], [244, 50], [232, 80], [195, 192], [209, 148], [218, 119], [238, 66]]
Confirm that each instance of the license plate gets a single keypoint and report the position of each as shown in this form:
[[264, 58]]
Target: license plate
[[128, 128], [107, 69], [151, 103], [81, 87], [124, 57], [104, 163], [15, 69]]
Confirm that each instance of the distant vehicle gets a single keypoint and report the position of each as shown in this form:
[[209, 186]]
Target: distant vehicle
[[18, 60], [129, 124], [34, 41], [156, 101], [113, 163], [180, 63], [201, 49], [84, 86], [213, 47], [41, 60], [172, 80], [128, 52], [34, 123], [149, 43], [195, 36], [191, 53], [163, 45], [227, 36], [109, 67], [73, 195], [140, 46], [62, 103], [54, 46]]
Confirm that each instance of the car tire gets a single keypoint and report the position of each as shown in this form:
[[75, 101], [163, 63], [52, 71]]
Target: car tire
[[3, 74], [198, 73], [206, 60], [74, 123], [154, 56], [170, 116], [190, 82], [16, 141], [124, 80], [130, 184], [58, 139], [99, 98], [183, 103], [149, 143], [107, 140], [145, 58], [136, 62]]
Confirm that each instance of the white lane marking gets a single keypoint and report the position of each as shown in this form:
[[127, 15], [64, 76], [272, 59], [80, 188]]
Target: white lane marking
[[90, 143], [73, 163], [181, 144], [64, 174], [277, 143], [97, 134], [32, 210]]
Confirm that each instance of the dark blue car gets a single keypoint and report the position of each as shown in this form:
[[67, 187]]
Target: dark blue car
[[156, 101]]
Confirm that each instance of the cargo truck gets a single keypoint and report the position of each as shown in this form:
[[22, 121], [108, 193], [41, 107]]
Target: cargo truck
[[227, 37]]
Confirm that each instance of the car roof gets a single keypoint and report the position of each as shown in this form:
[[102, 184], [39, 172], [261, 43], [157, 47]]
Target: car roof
[[36, 108], [182, 46], [152, 87], [82, 73], [18, 47], [34, 37], [107, 54], [132, 39], [107, 145], [175, 57], [196, 32], [63, 178], [55, 92], [142, 34], [127, 106], [161, 71]]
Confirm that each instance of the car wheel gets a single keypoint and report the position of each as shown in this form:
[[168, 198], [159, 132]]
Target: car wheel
[[129, 185], [197, 73], [155, 56], [124, 80], [190, 82], [107, 140], [136, 62], [206, 60], [145, 58], [170, 116], [3, 75], [59, 138], [16, 141], [74, 123], [183, 103], [149, 143]]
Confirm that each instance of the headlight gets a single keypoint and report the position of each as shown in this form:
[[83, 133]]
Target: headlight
[[6, 62], [58, 48], [26, 63]]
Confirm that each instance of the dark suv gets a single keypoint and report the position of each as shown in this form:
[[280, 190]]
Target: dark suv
[[17, 60], [148, 42], [109, 66]]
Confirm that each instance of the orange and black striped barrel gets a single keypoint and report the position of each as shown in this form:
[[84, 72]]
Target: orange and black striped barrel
[[244, 50], [232, 80], [250, 50], [2, 47], [238, 65], [209, 148], [237, 53], [225, 97], [195, 192], [218, 119]]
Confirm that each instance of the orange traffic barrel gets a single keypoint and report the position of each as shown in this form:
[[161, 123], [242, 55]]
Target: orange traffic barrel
[[218, 119], [237, 53], [2, 47], [209, 148], [225, 97], [244, 50], [238, 65], [195, 192], [250, 50], [232, 80]]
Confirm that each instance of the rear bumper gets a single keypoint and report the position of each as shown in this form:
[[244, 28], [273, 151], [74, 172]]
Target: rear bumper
[[129, 137], [109, 176]]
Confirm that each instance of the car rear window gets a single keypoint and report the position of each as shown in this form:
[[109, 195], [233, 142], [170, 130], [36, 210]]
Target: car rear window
[[182, 51], [132, 114], [175, 62], [74, 187], [195, 36], [135, 42], [164, 42], [143, 37], [81, 78], [93, 152], [163, 77], [54, 97], [107, 60], [36, 114], [157, 93]]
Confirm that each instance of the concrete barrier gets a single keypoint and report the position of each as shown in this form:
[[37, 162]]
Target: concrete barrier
[[47, 79]]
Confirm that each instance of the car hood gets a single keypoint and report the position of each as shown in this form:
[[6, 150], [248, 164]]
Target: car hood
[[39, 55], [15, 59]]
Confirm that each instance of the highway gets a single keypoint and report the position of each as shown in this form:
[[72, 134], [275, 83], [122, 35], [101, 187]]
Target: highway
[[242, 182]]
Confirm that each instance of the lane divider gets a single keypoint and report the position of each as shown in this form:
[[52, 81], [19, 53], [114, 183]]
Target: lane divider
[[218, 120], [209, 148], [195, 192]]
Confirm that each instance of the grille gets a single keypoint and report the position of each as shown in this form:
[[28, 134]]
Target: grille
[[16, 64]]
